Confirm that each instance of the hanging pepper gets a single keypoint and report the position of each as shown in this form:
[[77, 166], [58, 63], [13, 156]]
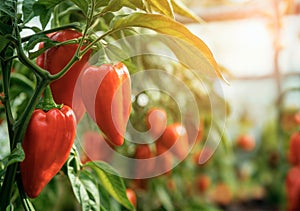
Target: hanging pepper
[[106, 95], [55, 59], [156, 121], [294, 149], [144, 164], [47, 143], [175, 140], [292, 184]]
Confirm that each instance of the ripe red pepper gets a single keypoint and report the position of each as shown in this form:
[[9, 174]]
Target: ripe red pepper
[[107, 98], [246, 142], [294, 149], [47, 143], [292, 184], [144, 164], [175, 139], [202, 183], [156, 121], [143, 151], [54, 60], [131, 196]]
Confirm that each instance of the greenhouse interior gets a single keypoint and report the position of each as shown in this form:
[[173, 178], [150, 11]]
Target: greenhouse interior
[[151, 105]]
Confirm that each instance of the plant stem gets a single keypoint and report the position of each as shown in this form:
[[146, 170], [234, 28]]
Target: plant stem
[[6, 66], [71, 25], [24, 200], [20, 129], [48, 103]]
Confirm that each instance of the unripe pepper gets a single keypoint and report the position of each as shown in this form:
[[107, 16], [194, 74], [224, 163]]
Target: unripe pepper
[[55, 59], [294, 149], [47, 143], [106, 95]]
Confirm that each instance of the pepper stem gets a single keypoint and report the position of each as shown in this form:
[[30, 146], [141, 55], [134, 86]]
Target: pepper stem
[[48, 102]]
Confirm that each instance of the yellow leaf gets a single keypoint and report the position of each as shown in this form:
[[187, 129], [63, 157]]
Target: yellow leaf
[[184, 44], [162, 6], [181, 9]]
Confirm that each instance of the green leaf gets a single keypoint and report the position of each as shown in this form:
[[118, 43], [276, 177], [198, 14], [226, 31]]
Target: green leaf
[[178, 31], [5, 29], [111, 181], [162, 6], [20, 80], [101, 3], [43, 12], [17, 155], [35, 39], [3, 42], [164, 198], [7, 7], [82, 4], [49, 4], [85, 187], [116, 5], [27, 9], [181, 9], [116, 53], [43, 9]]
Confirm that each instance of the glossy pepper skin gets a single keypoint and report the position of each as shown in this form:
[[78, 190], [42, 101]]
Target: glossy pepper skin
[[106, 95], [47, 144], [294, 149], [54, 60], [292, 184]]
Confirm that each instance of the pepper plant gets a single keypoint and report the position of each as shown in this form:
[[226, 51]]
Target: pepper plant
[[31, 63]]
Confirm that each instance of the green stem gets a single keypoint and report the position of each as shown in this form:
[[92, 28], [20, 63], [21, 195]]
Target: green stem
[[24, 200], [67, 42], [68, 26], [77, 54], [97, 40], [6, 66], [48, 103], [21, 124], [27, 62], [55, 16], [20, 129], [6, 189]]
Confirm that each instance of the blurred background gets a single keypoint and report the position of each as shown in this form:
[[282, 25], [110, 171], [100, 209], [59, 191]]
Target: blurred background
[[257, 45]]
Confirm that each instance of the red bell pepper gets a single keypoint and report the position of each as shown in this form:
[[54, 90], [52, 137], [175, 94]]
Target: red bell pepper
[[294, 149], [292, 184], [175, 140], [131, 196], [144, 164], [106, 94], [47, 143], [55, 59]]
